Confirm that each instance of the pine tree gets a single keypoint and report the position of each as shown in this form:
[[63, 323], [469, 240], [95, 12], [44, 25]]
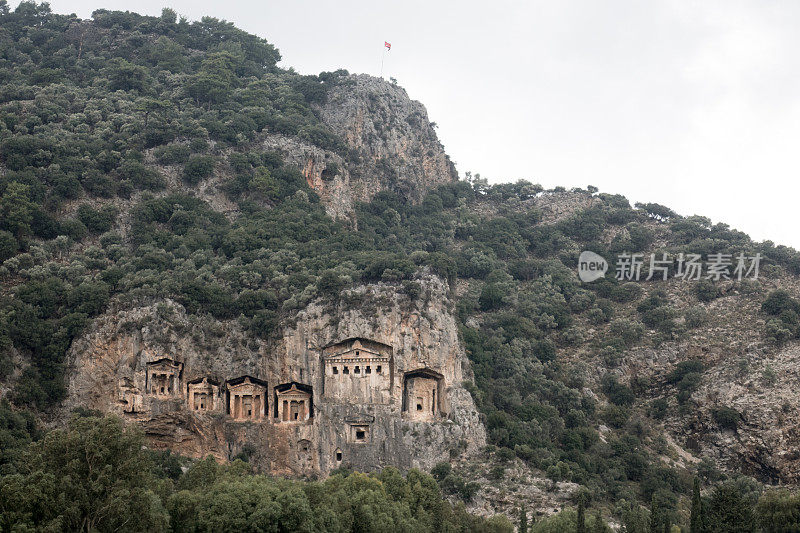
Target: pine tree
[[523, 520], [696, 521]]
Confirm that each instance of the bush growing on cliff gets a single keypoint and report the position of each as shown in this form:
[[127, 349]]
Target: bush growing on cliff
[[198, 168], [630, 332], [706, 290], [726, 417], [687, 375], [618, 393], [172, 154], [97, 220]]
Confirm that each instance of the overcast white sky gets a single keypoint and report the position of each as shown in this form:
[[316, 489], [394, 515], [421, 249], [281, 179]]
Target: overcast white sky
[[695, 105]]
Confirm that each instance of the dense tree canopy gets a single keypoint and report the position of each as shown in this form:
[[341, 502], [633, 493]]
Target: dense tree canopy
[[97, 476]]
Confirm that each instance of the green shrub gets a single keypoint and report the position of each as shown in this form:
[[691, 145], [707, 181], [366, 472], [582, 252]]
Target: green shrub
[[658, 408], [661, 318], [198, 168], [726, 417], [172, 154], [97, 220], [73, 228], [8, 245], [626, 292], [778, 332], [615, 416], [779, 301], [706, 290], [683, 368], [140, 176], [696, 317], [618, 393], [630, 332]]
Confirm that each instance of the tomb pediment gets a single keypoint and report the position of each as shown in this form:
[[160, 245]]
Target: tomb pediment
[[245, 382], [293, 402], [247, 398], [357, 348], [358, 370], [204, 381], [422, 394], [166, 363], [163, 377], [203, 394], [423, 373]]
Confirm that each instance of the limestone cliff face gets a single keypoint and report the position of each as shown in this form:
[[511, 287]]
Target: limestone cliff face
[[765, 441], [390, 145], [152, 365]]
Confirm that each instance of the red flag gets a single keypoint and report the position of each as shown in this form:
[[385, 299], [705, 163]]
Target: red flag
[[387, 44]]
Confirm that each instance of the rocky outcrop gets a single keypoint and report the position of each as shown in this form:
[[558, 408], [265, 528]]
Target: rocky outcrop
[[764, 443], [326, 172], [390, 140], [142, 364], [752, 378], [389, 145]]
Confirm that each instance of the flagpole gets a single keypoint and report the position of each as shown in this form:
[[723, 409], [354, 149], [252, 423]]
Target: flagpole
[[383, 56]]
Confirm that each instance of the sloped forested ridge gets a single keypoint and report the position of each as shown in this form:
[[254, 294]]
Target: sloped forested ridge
[[81, 103], [109, 130]]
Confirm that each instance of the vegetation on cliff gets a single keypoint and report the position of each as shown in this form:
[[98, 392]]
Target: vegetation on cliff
[[111, 131]]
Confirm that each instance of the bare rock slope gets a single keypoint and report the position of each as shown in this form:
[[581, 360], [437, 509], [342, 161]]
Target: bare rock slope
[[390, 145]]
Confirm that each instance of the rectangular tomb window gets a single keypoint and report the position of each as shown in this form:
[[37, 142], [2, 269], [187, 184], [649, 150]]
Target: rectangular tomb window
[[345, 370], [378, 369], [335, 370], [368, 370], [360, 433], [357, 370]]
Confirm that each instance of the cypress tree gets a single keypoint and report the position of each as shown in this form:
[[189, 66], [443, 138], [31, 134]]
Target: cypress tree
[[696, 521], [599, 526], [523, 520], [581, 517], [655, 516]]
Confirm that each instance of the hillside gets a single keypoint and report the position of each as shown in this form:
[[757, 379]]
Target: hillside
[[173, 204]]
